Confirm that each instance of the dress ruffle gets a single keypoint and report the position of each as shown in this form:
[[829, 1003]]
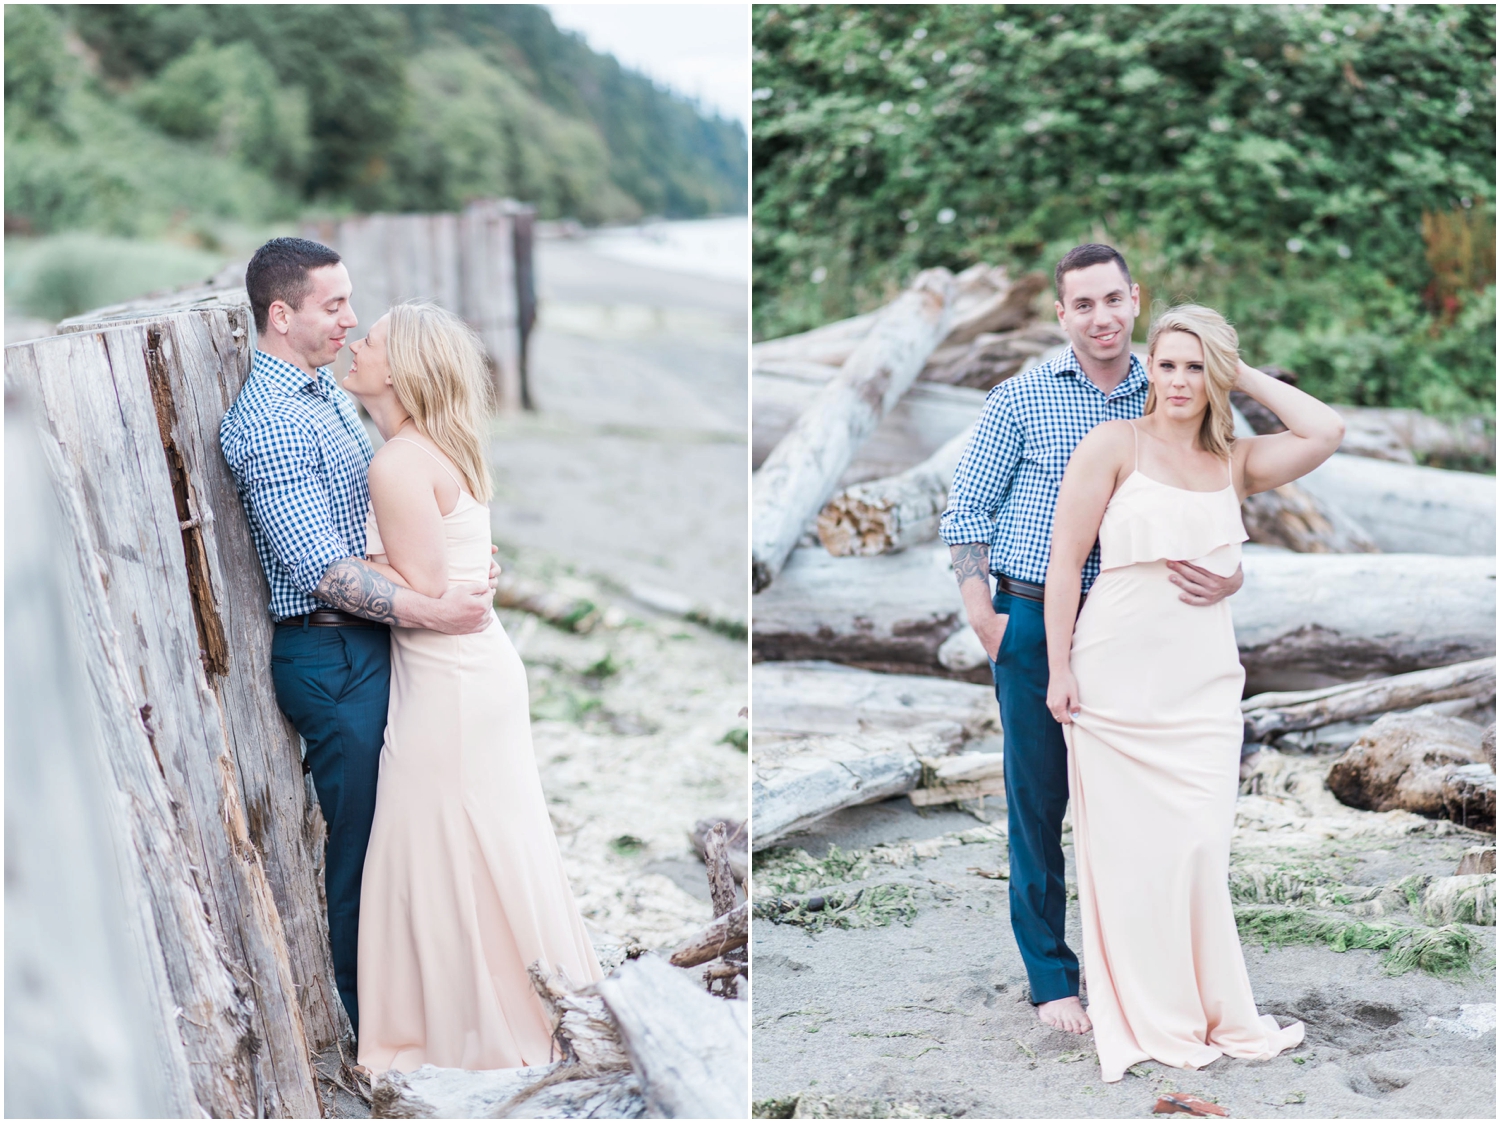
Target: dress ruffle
[[1199, 529]]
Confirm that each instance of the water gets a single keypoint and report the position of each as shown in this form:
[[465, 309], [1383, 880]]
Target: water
[[707, 247]]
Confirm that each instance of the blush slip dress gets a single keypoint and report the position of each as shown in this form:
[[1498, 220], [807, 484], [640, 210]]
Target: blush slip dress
[[1153, 772], [464, 884]]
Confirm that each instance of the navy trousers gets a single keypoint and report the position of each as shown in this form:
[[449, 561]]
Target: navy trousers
[[334, 684], [1036, 795]]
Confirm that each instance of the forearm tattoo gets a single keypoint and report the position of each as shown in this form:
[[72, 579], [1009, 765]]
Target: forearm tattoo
[[351, 585], [971, 561]]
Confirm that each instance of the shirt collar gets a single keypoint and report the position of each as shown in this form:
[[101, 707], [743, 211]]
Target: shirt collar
[[284, 376], [1134, 382]]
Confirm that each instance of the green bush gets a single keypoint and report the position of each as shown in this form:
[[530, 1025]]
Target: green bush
[[1322, 174], [230, 96], [53, 278]]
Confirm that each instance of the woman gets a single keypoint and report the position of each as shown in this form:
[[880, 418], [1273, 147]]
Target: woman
[[1147, 689], [463, 883]]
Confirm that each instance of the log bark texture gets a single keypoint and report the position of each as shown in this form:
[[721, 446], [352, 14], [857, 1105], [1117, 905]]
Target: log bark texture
[[1267, 715], [1302, 620], [800, 474], [690, 1051], [1407, 509], [90, 1017], [115, 402], [884, 516], [1422, 763]]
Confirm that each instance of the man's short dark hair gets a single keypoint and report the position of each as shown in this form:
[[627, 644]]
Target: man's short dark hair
[[1081, 257], [278, 271]]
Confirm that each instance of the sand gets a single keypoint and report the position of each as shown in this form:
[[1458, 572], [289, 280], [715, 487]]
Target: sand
[[933, 1018]]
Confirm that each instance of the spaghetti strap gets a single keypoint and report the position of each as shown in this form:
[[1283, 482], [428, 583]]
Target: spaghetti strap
[[434, 455], [1136, 434]]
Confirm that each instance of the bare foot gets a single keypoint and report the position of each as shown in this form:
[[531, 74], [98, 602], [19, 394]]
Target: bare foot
[[1065, 1014]]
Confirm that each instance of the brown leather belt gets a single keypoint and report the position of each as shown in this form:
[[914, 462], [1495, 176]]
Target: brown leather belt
[[1025, 589], [1020, 588], [329, 618]]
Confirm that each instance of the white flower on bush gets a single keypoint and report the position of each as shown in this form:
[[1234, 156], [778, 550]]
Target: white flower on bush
[[946, 215], [819, 275], [1294, 244]]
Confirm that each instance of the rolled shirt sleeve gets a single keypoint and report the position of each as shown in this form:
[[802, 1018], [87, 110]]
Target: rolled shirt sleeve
[[286, 495], [984, 475]]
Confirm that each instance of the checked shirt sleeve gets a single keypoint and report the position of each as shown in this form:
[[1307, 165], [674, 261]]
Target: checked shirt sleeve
[[984, 474], [284, 493]]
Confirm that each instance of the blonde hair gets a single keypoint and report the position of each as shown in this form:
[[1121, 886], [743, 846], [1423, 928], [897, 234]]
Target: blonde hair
[[441, 378], [1221, 352]]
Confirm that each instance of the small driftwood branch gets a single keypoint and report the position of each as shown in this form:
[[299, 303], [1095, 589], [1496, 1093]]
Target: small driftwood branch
[[1267, 715], [723, 933], [572, 613]]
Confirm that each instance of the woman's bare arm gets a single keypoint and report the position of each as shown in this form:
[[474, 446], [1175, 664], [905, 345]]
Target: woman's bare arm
[[1093, 473], [1314, 432]]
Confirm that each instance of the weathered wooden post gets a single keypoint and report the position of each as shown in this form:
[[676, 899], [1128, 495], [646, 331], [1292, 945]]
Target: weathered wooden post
[[477, 263], [133, 404], [90, 1018]]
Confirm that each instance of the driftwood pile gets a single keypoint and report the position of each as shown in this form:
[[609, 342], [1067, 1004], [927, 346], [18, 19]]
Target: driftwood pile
[[1372, 567]]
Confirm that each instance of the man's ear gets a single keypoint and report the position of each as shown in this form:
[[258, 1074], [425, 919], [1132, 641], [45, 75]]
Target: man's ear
[[1058, 307], [1135, 296], [279, 317]]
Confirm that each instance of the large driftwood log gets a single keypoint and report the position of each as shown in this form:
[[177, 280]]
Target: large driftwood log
[[883, 516], [993, 357], [1422, 763], [109, 400], [1409, 436], [925, 419], [90, 1018], [199, 345], [830, 698], [1293, 518], [987, 340], [1302, 620], [1267, 715], [690, 1051], [724, 933], [1407, 509], [801, 472], [799, 781]]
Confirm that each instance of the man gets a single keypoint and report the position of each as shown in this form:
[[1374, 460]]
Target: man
[[300, 457], [999, 521]]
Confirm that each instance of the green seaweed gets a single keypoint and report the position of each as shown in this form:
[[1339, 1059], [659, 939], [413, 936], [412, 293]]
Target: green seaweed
[[1436, 951], [873, 906]]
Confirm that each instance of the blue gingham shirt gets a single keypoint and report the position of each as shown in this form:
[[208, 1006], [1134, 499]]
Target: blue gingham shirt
[[300, 458], [1005, 488]]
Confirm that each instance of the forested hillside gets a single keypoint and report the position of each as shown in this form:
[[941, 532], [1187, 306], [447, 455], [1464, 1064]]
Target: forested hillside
[[1323, 174], [132, 119]]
